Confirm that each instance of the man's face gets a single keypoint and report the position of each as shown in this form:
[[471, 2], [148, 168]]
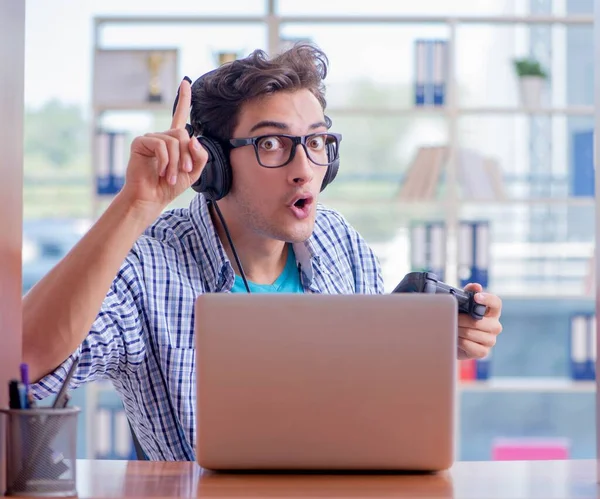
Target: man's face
[[278, 203]]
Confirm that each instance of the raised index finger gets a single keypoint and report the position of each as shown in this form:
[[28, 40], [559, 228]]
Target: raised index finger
[[184, 101]]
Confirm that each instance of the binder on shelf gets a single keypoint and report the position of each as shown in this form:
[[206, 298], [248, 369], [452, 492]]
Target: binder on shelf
[[111, 163], [428, 248], [467, 370], [431, 72], [580, 347], [592, 341], [440, 71], [482, 367], [418, 247], [530, 449], [582, 174], [473, 253], [112, 436], [437, 249], [421, 72], [474, 369]]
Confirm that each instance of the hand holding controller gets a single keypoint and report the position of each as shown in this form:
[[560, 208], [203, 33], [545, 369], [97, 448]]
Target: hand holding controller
[[426, 282]]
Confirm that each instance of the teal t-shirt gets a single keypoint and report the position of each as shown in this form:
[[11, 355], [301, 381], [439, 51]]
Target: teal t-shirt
[[287, 282]]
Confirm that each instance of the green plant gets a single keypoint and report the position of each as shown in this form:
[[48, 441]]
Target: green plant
[[529, 67]]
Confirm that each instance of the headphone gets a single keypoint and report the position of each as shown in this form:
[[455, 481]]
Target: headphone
[[215, 180]]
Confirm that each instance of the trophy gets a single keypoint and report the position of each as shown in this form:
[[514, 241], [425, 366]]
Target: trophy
[[224, 57], [154, 63]]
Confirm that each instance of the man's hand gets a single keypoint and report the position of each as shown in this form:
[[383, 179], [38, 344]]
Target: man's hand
[[477, 337], [163, 165]]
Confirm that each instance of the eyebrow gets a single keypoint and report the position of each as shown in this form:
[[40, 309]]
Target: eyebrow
[[282, 126]]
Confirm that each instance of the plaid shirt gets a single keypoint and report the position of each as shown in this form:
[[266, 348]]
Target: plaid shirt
[[143, 338]]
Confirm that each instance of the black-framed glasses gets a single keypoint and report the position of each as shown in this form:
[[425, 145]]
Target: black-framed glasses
[[278, 149]]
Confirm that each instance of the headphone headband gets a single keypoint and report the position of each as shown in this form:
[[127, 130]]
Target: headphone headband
[[215, 180]]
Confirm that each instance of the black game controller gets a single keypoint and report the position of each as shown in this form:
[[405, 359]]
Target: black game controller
[[426, 282]]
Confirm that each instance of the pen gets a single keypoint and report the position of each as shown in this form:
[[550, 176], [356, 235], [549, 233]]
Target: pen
[[25, 380], [62, 397], [14, 398], [22, 396]]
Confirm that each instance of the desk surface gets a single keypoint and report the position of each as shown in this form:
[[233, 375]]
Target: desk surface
[[485, 479]]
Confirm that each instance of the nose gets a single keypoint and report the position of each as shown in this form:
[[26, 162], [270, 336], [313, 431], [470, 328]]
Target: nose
[[300, 169]]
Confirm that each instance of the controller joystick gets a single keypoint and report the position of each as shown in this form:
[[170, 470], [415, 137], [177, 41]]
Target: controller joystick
[[427, 282]]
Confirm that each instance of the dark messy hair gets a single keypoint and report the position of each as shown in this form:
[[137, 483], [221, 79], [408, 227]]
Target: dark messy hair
[[218, 95]]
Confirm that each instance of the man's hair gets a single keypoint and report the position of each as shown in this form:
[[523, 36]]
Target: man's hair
[[218, 95]]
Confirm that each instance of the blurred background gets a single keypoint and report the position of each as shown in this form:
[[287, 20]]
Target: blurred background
[[467, 150]]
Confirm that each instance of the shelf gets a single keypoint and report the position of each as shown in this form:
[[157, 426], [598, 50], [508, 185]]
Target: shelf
[[547, 297], [494, 385], [561, 111], [137, 106], [346, 19], [443, 204], [526, 384], [567, 200], [554, 249], [415, 19], [188, 19], [388, 111], [463, 111], [391, 111]]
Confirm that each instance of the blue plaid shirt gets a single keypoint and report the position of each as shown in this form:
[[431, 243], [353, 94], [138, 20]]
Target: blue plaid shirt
[[143, 337]]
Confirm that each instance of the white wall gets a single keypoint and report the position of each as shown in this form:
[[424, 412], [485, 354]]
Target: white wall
[[12, 63]]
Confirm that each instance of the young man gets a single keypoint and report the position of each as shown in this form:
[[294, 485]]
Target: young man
[[122, 300]]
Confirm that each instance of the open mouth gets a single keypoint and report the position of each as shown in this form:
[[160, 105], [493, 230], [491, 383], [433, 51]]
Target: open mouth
[[301, 207], [300, 203]]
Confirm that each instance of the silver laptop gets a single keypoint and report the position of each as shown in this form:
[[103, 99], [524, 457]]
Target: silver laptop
[[325, 382]]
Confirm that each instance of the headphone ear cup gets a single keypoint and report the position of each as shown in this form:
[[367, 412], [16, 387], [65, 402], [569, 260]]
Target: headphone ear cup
[[215, 179], [332, 169]]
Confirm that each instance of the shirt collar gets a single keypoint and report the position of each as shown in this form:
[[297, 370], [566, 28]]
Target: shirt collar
[[212, 258], [217, 267]]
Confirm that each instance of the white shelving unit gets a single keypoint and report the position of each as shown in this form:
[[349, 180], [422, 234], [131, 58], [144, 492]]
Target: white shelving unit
[[451, 112], [466, 111], [528, 385]]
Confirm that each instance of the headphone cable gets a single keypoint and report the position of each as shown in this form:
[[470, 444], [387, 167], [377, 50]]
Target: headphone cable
[[237, 260]]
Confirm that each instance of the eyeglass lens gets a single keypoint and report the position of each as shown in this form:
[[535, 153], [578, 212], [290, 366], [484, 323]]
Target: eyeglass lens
[[276, 150]]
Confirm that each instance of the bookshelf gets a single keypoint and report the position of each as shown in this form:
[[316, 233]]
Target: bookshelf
[[450, 205], [528, 384], [401, 111]]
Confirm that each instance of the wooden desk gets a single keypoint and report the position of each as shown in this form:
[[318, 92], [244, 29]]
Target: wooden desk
[[481, 480]]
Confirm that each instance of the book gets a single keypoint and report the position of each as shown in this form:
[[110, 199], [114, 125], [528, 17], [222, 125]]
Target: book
[[582, 168], [421, 72], [110, 162], [428, 248], [473, 252], [582, 347], [440, 71]]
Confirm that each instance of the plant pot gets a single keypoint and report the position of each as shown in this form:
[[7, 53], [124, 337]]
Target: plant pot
[[531, 89]]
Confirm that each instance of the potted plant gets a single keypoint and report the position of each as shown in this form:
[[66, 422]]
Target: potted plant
[[532, 77]]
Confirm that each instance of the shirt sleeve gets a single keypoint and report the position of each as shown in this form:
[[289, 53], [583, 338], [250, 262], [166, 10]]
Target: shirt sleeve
[[114, 345]]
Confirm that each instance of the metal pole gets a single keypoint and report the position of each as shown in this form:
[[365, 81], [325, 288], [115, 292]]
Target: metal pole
[[273, 35], [597, 212]]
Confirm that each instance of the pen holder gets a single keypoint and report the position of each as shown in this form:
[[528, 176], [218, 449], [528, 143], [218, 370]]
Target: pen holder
[[41, 452]]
